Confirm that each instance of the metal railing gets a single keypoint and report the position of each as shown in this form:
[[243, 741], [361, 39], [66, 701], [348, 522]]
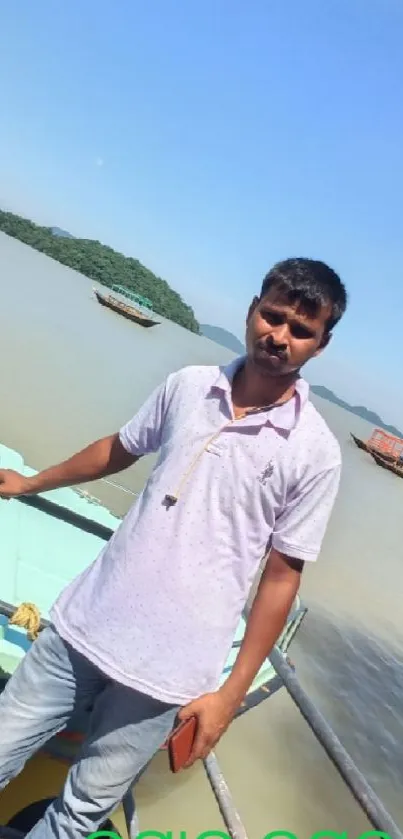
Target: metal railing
[[361, 790], [366, 797], [349, 772]]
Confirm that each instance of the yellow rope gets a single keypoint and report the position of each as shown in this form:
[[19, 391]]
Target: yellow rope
[[27, 616]]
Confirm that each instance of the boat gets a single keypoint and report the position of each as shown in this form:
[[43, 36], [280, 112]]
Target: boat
[[47, 540], [141, 313], [386, 463], [359, 443], [387, 445]]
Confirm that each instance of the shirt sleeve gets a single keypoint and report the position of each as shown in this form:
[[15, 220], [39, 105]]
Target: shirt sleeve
[[142, 434], [300, 528]]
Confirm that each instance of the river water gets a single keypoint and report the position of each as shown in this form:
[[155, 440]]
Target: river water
[[72, 371]]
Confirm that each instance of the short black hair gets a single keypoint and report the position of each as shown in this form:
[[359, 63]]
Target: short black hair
[[309, 282]]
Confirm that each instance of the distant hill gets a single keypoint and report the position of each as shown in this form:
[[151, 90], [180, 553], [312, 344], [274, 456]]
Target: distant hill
[[222, 337], [359, 410], [102, 264], [57, 231]]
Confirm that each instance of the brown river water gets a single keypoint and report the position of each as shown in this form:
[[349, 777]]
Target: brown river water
[[72, 371]]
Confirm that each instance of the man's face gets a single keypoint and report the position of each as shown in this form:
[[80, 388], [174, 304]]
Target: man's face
[[281, 337]]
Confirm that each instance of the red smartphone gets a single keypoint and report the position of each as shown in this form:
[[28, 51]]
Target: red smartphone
[[180, 743]]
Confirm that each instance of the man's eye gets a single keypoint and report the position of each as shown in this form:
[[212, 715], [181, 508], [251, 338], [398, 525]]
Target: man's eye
[[272, 318], [301, 332]]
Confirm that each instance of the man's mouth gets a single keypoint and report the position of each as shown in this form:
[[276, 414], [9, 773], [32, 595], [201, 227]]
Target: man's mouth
[[273, 353]]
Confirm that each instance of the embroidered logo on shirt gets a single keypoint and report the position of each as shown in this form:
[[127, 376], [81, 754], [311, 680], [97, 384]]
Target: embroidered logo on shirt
[[267, 473]]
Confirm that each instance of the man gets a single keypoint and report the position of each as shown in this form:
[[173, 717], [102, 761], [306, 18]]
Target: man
[[247, 469]]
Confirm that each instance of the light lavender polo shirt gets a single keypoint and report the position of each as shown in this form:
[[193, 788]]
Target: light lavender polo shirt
[[159, 607]]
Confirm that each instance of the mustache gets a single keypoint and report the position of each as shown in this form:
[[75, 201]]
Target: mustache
[[271, 348]]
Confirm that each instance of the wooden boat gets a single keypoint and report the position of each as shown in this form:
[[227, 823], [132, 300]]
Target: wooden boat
[[141, 313], [360, 443], [46, 541], [387, 445], [367, 448], [386, 463]]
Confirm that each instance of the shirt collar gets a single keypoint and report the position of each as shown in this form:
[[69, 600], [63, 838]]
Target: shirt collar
[[283, 417]]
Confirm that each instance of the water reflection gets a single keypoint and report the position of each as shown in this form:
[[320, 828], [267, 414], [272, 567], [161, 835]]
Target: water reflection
[[356, 679]]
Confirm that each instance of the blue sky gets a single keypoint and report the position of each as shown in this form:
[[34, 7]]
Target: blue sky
[[210, 139]]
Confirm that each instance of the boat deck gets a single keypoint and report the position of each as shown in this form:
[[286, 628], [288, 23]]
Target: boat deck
[[44, 552]]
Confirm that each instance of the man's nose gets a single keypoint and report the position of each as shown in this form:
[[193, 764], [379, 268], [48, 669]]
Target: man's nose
[[279, 335]]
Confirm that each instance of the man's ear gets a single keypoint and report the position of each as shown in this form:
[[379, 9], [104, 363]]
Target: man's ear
[[252, 308], [326, 338]]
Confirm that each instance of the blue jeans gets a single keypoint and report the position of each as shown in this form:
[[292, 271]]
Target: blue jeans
[[127, 729]]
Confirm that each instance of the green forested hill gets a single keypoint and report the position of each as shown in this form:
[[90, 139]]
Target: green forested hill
[[103, 264]]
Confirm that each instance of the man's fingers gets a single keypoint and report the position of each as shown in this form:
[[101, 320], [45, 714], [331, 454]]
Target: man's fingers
[[187, 711], [201, 746], [198, 745]]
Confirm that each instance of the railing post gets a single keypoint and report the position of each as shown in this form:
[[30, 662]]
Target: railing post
[[354, 779], [219, 786]]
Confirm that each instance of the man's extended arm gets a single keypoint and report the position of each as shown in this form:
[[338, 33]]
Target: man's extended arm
[[106, 456], [277, 590], [276, 593]]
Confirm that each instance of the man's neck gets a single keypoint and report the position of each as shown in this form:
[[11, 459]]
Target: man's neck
[[252, 389]]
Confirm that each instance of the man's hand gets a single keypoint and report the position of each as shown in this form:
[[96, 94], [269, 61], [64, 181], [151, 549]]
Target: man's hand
[[106, 456], [12, 484], [214, 714], [277, 590]]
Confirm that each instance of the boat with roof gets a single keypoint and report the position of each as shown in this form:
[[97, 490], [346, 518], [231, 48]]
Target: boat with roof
[[120, 302], [388, 446]]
